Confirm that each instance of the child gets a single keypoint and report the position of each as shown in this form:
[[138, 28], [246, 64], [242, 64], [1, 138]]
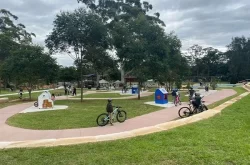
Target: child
[[109, 109], [178, 95], [53, 98], [196, 100], [21, 93]]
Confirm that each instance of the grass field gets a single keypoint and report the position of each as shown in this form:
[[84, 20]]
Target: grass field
[[79, 115], [104, 95], [223, 139], [82, 115], [34, 95], [2, 105]]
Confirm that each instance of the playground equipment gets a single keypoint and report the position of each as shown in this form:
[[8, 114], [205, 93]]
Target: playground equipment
[[44, 101], [161, 96], [134, 89]]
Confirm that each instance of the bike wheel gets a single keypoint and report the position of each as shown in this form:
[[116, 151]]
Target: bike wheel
[[184, 112], [121, 116], [205, 108], [102, 119], [36, 104]]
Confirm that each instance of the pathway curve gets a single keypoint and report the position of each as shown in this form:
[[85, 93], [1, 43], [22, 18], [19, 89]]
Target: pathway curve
[[10, 134]]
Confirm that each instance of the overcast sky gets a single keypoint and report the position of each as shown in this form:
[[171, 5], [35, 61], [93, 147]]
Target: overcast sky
[[204, 22]]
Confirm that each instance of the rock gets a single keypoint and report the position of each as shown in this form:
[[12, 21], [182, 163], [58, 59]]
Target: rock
[[4, 100]]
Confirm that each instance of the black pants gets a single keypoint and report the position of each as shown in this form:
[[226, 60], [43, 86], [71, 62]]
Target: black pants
[[196, 105]]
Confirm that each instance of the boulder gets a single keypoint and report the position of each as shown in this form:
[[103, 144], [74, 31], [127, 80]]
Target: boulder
[[4, 100]]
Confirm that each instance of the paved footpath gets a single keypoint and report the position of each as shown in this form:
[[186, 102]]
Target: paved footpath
[[8, 133]]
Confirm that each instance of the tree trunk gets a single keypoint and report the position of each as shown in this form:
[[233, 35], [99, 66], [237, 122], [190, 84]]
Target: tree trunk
[[81, 77], [208, 71], [122, 74], [139, 90], [97, 79], [29, 93]]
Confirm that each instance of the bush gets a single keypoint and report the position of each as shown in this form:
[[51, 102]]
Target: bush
[[214, 83], [188, 85], [178, 84]]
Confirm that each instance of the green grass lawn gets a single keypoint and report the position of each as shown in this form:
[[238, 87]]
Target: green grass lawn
[[3, 105], [223, 139], [152, 89], [35, 95], [79, 115], [2, 92], [104, 95], [82, 115]]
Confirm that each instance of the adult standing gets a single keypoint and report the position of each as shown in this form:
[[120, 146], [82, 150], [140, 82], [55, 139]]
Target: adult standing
[[74, 91], [65, 89], [191, 93]]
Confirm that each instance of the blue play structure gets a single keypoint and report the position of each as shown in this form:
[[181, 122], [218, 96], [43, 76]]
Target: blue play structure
[[134, 90], [161, 96]]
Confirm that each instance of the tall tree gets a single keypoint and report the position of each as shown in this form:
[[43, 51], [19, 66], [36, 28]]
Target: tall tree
[[138, 38], [68, 74], [100, 61], [22, 66], [239, 59], [118, 14], [77, 32], [12, 36], [16, 31]]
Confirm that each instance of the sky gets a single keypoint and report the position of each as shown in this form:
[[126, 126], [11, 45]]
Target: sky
[[203, 22]]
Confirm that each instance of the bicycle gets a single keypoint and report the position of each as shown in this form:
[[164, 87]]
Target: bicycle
[[36, 104], [103, 119], [191, 110]]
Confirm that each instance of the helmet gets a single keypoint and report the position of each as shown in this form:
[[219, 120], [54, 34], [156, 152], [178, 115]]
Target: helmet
[[109, 100]]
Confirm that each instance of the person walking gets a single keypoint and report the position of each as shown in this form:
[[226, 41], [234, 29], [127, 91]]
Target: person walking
[[21, 93], [191, 93]]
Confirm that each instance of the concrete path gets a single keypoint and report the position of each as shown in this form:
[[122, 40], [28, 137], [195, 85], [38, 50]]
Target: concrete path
[[10, 134]]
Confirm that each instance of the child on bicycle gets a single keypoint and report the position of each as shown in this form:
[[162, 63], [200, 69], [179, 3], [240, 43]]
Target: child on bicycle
[[196, 102], [109, 109]]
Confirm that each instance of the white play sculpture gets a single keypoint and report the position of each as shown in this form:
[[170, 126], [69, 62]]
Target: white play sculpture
[[44, 100]]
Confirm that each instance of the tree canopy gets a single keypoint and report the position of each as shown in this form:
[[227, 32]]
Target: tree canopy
[[81, 33], [28, 65]]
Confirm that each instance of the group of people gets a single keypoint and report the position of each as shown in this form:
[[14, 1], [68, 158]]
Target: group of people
[[195, 98], [206, 86], [124, 89], [68, 90]]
